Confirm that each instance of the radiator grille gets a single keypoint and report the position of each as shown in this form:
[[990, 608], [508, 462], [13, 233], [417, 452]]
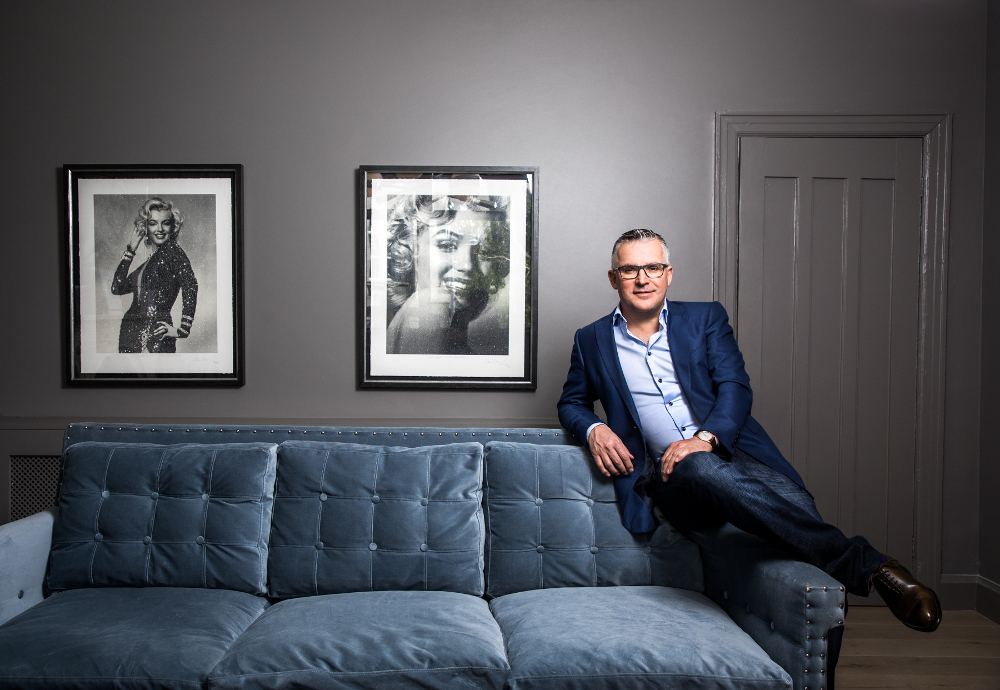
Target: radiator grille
[[34, 480]]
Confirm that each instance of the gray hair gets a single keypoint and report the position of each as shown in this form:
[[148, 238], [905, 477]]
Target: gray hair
[[638, 235]]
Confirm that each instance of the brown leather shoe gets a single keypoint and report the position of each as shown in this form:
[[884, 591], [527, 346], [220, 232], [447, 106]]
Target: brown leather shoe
[[914, 604]]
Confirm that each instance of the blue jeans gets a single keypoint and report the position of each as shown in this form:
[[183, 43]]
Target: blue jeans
[[706, 491]]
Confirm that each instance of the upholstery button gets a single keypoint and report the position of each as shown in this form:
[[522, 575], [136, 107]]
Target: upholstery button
[[204, 497], [423, 547], [319, 546], [146, 540], [593, 549], [538, 501], [590, 503], [372, 546], [423, 501], [375, 498], [154, 495], [772, 628], [98, 537], [199, 540], [105, 494], [323, 497], [540, 548], [20, 594], [646, 549]]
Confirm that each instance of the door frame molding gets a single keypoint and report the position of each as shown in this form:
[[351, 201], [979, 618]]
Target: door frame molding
[[935, 130]]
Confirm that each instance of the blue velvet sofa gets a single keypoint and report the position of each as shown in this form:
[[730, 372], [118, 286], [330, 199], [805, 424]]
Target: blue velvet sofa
[[332, 557]]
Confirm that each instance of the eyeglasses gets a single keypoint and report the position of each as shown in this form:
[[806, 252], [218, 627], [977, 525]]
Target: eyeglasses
[[632, 272]]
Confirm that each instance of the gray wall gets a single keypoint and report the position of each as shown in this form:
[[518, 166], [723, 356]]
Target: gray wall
[[614, 100], [989, 468]]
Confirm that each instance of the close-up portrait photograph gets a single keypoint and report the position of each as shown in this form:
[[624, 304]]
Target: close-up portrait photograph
[[448, 262]]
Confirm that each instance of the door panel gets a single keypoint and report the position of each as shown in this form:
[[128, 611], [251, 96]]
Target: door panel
[[827, 302]]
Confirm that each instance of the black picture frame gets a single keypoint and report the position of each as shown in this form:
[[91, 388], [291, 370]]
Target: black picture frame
[[444, 299], [169, 310]]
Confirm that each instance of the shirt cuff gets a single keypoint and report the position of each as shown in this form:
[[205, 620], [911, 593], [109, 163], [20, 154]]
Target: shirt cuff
[[591, 428]]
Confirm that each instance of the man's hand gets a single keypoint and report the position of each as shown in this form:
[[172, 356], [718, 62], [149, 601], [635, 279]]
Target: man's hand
[[610, 454], [677, 451]]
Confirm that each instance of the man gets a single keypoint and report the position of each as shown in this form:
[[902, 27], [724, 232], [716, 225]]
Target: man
[[679, 432]]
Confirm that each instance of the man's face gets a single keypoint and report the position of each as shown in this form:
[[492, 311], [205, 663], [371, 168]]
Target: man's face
[[641, 294], [158, 226]]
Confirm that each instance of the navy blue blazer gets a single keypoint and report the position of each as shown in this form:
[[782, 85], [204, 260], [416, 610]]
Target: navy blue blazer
[[711, 374]]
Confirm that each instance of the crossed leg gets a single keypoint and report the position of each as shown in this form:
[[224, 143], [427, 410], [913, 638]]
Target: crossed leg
[[704, 491]]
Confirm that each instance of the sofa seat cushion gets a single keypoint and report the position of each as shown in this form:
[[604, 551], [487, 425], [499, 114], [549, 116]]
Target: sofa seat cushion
[[629, 638], [369, 640], [184, 515], [553, 521], [354, 518], [149, 637]]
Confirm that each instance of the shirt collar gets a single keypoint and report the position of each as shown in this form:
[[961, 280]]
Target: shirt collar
[[619, 318]]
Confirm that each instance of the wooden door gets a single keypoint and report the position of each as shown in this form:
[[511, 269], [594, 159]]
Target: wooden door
[[828, 311]]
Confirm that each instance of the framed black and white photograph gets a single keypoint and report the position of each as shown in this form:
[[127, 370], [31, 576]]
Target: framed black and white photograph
[[155, 274], [447, 271]]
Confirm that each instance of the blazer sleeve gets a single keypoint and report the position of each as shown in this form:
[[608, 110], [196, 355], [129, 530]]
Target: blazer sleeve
[[576, 404], [730, 382]]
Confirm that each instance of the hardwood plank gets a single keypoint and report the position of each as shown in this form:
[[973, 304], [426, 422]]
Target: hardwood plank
[[934, 646], [917, 672], [859, 616], [879, 652]]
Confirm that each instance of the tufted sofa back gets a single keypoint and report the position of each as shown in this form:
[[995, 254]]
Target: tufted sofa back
[[546, 517]]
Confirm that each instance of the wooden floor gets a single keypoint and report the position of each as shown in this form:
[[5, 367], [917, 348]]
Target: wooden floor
[[879, 652]]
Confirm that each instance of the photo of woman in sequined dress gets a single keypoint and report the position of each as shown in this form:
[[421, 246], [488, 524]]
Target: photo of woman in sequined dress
[[161, 272]]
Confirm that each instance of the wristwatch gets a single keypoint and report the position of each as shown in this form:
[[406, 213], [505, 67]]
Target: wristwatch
[[708, 437]]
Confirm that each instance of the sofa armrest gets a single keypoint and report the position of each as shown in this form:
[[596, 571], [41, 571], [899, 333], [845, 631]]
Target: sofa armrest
[[24, 554], [793, 610]]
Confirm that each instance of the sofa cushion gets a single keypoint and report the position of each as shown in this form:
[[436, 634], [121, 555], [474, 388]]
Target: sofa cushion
[[184, 515], [351, 517], [123, 637], [628, 638], [369, 640], [552, 521]]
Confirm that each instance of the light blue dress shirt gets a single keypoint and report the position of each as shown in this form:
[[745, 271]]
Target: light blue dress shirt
[[664, 414]]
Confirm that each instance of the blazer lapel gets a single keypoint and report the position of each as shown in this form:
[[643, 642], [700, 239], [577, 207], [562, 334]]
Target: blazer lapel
[[609, 355], [679, 337]]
